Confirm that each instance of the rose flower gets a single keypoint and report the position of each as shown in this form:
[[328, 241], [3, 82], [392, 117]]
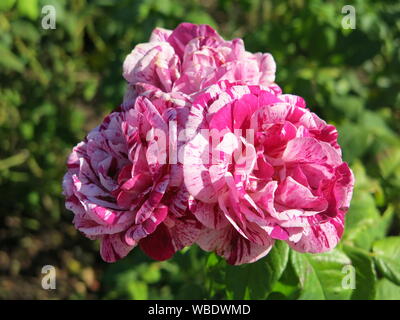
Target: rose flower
[[177, 63], [122, 189], [274, 172]]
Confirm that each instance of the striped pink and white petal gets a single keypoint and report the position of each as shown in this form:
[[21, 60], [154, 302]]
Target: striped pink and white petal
[[229, 244], [320, 237], [113, 247], [210, 215], [147, 227]]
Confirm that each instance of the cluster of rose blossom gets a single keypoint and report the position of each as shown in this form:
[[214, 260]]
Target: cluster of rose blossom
[[206, 149]]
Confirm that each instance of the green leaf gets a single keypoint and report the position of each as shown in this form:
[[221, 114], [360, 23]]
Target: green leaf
[[6, 4], [287, 287], [364, 222], [256, 280], [374, 123], [320, 275], [28, 8], [137, 290], [370, 230], [9, 60], [163, 7], [389, 160], [200, 17], [362, 208], [387, 290], [352, 106], [25, 30], [150, 273], [387, 258], [365, 285], [212, 260], [353, 140]]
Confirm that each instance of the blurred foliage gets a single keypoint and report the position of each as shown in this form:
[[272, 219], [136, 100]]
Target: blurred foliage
[[55, 85]]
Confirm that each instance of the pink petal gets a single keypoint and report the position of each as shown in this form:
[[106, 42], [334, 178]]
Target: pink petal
[[152, 200], [321, 237], [294, 195], [184, 231], [233, 247], [185, 32], [160, 34], [210, 215], [113, 248], [197, 178]]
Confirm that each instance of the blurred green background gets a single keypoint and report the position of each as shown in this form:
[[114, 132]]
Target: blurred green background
[[56, 85]]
